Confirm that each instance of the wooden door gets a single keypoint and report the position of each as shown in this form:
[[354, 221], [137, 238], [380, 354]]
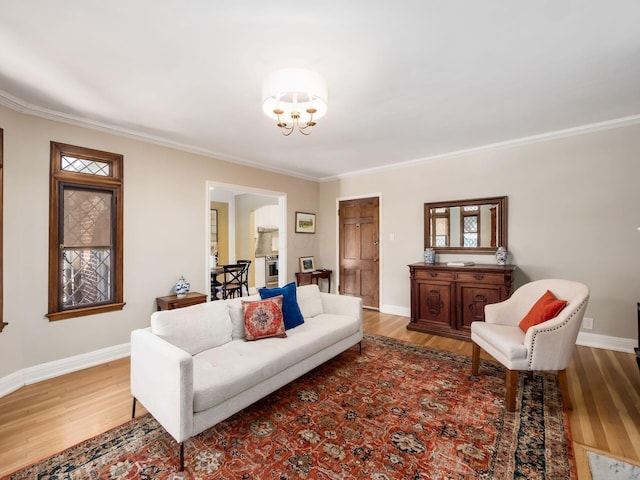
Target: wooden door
[[359, 250]]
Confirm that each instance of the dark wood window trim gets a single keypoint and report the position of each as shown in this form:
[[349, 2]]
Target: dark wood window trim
[[2, 322], [60, 179], [434, 227]]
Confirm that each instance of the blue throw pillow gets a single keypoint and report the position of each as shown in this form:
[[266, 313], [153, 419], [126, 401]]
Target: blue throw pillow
[[290, 309]]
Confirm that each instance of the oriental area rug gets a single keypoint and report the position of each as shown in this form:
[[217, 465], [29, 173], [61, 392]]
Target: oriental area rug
[[396, 411]]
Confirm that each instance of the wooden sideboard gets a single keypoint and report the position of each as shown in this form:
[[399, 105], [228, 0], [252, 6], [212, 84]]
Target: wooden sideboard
[[446, 299]]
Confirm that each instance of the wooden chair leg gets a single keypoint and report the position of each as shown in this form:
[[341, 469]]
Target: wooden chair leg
[[475, 359], [564, 388], [511, 382]]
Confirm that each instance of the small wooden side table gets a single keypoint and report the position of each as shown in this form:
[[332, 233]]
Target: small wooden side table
[[172, 301], [305, 278]]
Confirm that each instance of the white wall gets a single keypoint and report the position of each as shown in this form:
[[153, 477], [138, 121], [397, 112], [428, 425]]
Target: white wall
[[165, 217], [573, 211]]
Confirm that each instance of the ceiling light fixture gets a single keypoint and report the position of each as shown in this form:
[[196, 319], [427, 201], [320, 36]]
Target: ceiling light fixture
[[296, 98]]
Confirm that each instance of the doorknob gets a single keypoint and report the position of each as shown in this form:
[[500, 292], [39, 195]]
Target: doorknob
[[376, 242], [375, 259]]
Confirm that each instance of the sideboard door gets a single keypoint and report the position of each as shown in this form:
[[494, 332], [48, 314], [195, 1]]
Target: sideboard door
[[472, 300], [434, 304]]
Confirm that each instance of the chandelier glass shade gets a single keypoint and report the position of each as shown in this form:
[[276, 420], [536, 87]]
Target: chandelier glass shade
[[295, 98]]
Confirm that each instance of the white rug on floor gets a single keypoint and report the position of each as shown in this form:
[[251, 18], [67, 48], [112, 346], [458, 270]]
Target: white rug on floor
[[607, 468]]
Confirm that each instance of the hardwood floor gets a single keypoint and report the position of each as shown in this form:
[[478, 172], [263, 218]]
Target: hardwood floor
[[42, 419]]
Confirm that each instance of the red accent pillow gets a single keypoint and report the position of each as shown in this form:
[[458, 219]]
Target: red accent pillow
[[263, 319], [546, 308]]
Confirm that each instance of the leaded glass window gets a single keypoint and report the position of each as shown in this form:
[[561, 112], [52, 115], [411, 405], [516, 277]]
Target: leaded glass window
[[86, 239], [469, 230], [87, 247], [82, 165]]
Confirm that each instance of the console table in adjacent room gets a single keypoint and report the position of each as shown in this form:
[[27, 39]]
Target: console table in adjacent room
[[446, 299], [305, 278], [172, 301]]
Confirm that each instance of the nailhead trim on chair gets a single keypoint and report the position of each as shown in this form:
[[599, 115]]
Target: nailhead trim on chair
[[557, 327]]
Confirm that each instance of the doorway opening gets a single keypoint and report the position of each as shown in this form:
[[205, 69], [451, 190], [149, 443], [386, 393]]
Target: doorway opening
[[236, 218]]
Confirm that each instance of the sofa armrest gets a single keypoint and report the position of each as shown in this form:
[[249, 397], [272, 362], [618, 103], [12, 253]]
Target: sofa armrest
[[342, 305], [162, 380]]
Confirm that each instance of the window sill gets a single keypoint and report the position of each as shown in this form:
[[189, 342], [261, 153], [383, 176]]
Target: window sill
[[81, 312]]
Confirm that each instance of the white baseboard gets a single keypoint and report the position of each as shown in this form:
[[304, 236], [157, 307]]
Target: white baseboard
[[11, 383], [395, 310], [44, 371], [616, 344]]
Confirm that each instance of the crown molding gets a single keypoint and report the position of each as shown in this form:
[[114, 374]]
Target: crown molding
[[26, 108], [543, 137]]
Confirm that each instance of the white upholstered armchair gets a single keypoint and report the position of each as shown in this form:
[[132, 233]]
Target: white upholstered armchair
[[546, 346]]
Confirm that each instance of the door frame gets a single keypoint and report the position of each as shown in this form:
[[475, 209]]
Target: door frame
[[380, 240], [282, 228]]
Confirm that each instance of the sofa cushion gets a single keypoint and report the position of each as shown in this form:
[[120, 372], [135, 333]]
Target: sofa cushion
[[195, 328], [309, 301], [546, 308], [263, 318], [290, 309], [506, 339], [237, 318], [220, 373]]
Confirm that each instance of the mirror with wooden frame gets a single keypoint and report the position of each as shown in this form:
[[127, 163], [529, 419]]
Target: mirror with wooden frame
[[466, 226]]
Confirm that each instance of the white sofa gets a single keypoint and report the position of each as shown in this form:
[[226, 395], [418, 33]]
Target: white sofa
[[192, 368]]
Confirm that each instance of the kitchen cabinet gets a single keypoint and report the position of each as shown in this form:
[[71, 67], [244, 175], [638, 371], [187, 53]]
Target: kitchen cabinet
[[268, 216], [446, 299]]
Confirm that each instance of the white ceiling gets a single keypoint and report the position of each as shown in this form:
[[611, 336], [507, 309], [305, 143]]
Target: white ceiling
[[408, 80]]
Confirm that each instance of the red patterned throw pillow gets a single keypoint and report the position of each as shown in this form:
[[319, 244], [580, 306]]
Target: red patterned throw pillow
[[546, 308], [263, 318]]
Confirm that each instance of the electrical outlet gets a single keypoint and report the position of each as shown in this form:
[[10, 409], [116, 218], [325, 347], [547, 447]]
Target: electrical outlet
[[587, 323]]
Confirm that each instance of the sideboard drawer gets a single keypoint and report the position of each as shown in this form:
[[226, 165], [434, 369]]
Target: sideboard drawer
[[433, 275], [480, 277]]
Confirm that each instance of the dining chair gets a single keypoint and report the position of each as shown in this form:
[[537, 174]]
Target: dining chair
[[232, 280], [245, 275]]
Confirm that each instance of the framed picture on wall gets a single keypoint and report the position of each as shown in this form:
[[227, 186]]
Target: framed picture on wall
[[307, 264], [305, 222]]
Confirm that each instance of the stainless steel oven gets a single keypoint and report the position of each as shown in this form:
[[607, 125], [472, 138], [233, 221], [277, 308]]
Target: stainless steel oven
[[271, 270]]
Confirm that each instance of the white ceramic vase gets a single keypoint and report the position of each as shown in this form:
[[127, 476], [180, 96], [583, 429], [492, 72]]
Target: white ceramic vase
[[501, 256], [429, 255], [181, 287]]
